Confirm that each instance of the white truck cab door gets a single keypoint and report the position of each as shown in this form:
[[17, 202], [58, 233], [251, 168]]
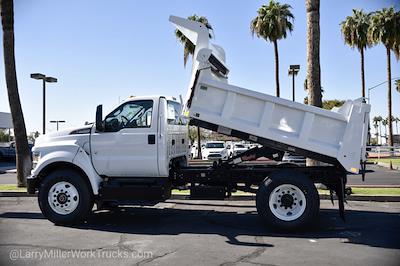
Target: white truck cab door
[[128, 145]]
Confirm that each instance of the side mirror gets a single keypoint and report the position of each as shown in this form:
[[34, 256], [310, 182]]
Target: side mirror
[[99, 118]]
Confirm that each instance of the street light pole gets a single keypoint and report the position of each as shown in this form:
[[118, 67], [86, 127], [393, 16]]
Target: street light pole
[[293, 90], [57, 121], [373, 87], [293, 70], [45, 79]]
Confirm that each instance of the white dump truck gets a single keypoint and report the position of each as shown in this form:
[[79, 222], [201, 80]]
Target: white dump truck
[[139, 151]]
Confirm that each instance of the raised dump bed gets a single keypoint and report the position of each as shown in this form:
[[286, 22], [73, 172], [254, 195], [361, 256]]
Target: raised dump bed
[[336, 136]]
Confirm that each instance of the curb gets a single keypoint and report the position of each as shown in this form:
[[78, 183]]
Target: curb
[[365, 198], [240, 198], [16, 194], [387, 165], [11, 171], [373, 186], [322, 197]]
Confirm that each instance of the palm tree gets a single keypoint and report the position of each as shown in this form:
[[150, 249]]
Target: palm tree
[[23, 156], [355, 33], [188, 49], [385, 29], [396, 120], [376, 124], [313, 63], [272, 24], [385, 123], [380, 119], [313, 59]]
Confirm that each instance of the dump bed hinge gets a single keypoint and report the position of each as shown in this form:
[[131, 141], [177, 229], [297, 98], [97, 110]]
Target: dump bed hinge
[[252, 154]]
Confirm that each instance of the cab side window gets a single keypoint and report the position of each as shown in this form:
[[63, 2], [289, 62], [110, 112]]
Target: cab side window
[[134, 114]]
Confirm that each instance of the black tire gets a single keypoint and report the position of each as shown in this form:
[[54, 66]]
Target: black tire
[[85, 203], [311, 211]]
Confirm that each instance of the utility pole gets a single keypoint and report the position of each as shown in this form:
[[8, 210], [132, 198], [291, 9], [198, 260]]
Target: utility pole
[[57, 121]]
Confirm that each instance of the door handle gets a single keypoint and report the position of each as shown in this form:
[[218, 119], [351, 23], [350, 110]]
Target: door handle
[[151, 139]]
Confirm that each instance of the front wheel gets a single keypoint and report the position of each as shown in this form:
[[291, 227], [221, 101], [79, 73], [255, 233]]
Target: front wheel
[[288, 200], [65, 198]]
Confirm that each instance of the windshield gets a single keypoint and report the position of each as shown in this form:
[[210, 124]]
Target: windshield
[[239, 146], [214, 145]]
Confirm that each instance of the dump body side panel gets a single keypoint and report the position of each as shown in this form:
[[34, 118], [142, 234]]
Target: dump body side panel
[[338, 134]]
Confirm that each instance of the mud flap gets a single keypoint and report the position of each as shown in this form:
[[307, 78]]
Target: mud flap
[[341, 196], [363, 170]]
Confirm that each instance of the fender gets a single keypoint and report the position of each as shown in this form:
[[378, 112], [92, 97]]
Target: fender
[[67, 152], [83, 161]]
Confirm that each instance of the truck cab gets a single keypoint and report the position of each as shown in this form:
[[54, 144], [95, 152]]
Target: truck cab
[[139, 141]]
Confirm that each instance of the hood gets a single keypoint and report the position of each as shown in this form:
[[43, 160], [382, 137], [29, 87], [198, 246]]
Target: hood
[[79, 134]]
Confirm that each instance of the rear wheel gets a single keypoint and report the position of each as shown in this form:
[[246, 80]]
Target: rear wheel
[[288, 200], [65, 198]]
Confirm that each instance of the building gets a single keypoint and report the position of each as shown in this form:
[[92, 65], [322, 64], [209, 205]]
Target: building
[[6, 122]]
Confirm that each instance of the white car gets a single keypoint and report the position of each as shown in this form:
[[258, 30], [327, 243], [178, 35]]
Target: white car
[[214, 150], [239, 148]]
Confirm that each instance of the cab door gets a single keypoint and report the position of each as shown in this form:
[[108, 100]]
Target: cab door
[[128, 145]]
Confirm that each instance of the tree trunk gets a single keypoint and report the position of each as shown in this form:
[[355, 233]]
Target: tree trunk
[[276, 68], [362, 74], [23, 156], [313, 62], [386, 135], [390, 140], [199, 156]]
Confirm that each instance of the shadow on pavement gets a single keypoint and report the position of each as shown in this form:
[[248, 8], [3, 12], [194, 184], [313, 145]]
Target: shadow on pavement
[[376, 229]]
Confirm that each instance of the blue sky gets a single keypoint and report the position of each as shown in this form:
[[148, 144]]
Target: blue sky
[[102, 53]]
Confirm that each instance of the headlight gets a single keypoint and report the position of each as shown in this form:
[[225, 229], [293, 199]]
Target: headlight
[[35, 158]]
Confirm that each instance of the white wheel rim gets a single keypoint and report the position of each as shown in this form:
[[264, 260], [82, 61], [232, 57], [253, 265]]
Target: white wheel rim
[[287, 202], [63, 198]]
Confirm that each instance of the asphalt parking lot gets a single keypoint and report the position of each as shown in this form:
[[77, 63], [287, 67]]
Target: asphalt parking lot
[[183, 232]]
